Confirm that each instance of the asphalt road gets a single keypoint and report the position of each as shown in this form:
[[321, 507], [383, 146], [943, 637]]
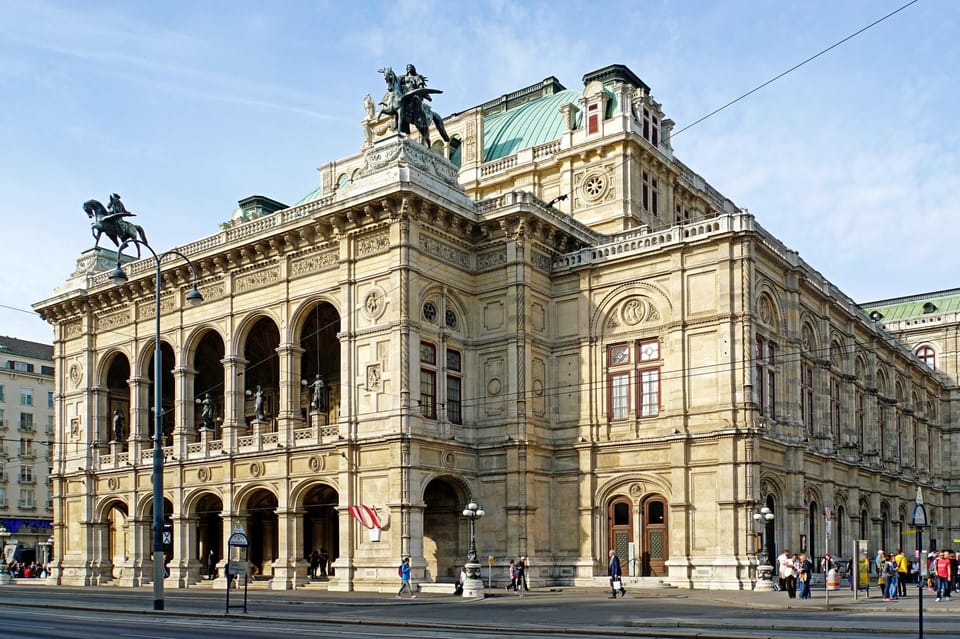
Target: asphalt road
[[28, 611]]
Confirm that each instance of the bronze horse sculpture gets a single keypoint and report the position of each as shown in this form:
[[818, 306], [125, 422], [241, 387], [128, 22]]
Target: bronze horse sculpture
[[404, 100], [109, 221]]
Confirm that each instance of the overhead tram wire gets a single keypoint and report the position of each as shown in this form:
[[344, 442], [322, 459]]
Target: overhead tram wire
[[792, 69]]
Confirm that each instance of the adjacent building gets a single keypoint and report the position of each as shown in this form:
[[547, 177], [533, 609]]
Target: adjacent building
[[549, 314], [26, 432]]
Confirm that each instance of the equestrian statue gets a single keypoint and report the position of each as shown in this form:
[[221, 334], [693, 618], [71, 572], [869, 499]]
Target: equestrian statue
[[109, 221], [406, 100]]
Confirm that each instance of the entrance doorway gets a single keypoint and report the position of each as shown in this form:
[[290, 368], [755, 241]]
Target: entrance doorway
[[655, 541], [620, 516]]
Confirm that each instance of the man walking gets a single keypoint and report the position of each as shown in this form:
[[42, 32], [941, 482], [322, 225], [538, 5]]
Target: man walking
[[404, 571], [616, 577]]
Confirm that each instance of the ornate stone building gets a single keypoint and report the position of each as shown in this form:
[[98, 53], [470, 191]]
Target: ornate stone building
[[549, 314]]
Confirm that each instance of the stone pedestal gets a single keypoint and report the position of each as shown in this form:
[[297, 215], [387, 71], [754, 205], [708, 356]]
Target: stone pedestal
[[473, 584], [764, 579]]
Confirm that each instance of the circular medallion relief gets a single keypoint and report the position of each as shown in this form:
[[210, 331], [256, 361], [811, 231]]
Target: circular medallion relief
[[449, 459], [636, 489], [316, 463], [76, 374], [203, 474], [113, 483], [633, 312], [494, 386], [538, 387], [256, 469], [374, 304]]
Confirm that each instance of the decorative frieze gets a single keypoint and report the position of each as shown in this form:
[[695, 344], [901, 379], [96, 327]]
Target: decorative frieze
[[314, 263], [113, 320], [541, 262], [491, 259], [373, 243], [148, 308], [445, 251], [257, 279], [71, 329]]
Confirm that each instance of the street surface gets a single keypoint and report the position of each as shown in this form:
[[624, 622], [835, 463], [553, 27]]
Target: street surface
[[37, 611]]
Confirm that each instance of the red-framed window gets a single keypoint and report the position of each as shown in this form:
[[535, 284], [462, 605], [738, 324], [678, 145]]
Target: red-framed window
[[765, 358], [454, 386], [928, 356], [593, 118], [630, 364], [428, 380], [806, 395]]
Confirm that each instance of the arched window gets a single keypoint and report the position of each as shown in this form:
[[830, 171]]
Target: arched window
[[927, 356]]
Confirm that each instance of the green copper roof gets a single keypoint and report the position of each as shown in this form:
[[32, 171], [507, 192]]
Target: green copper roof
[[902, 308], [525, 126], [311, 196]]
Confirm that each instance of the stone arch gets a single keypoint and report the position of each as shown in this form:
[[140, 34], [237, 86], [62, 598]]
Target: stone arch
[[316, 329], [809, 338], [203, 509], [607, 308], [114, 513], [256, 506], [246, 325], [317, 502], [114, 373], [258, 343], [768, 311], [445, 533]]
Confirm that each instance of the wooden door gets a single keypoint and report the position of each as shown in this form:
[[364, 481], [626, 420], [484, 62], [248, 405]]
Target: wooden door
[[620, 516], [656, 549]]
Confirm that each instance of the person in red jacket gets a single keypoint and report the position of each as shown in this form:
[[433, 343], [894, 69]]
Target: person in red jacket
[[943, 569]]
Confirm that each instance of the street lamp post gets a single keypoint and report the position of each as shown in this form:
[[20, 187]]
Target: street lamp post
[[118, 277], [4, 569], [762, 520], [919, 523], [473, 585]]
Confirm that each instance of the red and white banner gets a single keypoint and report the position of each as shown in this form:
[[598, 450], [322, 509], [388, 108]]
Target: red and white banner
[[367, 516]]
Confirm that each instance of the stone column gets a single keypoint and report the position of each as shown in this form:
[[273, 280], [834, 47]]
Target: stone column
[[233, 400], [285, 564], [139, 437], [288, 403], [184, 428]]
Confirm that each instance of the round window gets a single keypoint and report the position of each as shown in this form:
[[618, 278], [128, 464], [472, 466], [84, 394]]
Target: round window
[[430, 312]]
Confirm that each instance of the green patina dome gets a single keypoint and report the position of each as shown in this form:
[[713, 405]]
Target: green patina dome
[[530, 124]]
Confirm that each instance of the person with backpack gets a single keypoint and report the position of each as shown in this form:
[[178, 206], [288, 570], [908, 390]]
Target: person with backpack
[[403, 571]]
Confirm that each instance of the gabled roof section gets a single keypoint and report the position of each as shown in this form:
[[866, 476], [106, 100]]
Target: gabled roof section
[[24, 348], [911, 306], [524, 126]]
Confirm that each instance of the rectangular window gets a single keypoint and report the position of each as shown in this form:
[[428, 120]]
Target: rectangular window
[[766, 371], [3, 497], [3, 421], [860, 418], [1, 393], [651, 127], [650, 392], [26, 396], [26, 474], [26, 498], [806, 396], [648, 193], [454, 366], [49, 424], [835, 408], [26, 447], [26, 421], [593, 119], [428, 380], [619, 395], [50, 400]]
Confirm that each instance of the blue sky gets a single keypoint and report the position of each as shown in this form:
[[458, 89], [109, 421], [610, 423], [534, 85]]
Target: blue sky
[[186, 107]]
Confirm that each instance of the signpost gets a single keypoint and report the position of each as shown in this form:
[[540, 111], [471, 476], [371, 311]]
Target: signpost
[[920, 522], [237, 564], [827, 516]]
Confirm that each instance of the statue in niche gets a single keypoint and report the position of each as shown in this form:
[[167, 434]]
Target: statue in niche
[[258, 404], [206, 413], [317, 404], [117, 425]]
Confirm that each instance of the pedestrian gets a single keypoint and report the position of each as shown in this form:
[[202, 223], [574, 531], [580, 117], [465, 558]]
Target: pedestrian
[[944, 576], [324, 560], [787, 574], [314, 564], [526, 565], [903, 572], [616, 576], [521, 578], [804, 572], [888, 571], [458, 587], [512, 571], [404, 572], [211, 566], [781, 559]]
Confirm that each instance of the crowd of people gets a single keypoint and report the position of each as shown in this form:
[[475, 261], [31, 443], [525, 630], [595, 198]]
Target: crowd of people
[[795, 572], [24, 570]]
